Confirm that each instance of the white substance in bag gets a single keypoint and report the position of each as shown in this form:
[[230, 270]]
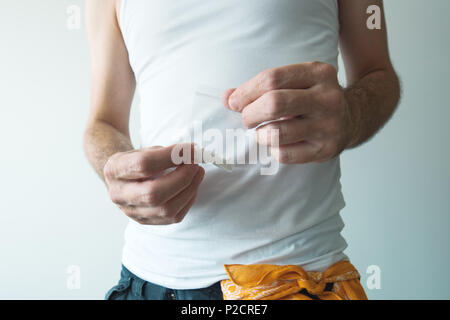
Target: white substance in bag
[[210, 120]]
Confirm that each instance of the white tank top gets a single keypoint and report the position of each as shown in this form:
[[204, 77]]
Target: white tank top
[[240, 217]]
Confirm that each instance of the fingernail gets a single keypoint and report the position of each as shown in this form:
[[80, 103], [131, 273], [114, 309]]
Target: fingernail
[[233, 103]]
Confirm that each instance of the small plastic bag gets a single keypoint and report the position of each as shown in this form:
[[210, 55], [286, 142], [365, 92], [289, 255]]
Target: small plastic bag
[[208, 123], [218, 133]]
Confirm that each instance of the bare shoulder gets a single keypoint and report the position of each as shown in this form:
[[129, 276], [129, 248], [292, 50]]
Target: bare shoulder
[[117, 4], [103, 4], [102, 11]]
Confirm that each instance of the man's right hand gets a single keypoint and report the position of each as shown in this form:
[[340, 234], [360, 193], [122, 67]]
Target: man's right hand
[[138, 185]]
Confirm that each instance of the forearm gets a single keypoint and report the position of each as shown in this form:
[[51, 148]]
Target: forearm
[[372, 100], [101, 141]]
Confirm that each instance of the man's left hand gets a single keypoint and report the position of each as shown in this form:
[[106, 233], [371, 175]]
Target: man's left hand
[[314, 119]]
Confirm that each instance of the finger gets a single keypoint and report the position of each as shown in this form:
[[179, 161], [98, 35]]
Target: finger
[[147, 216], [152, 193], [176, 205], [297, 153], [172, 212], [180, 216], [297, 76], [169, 186], [278, 104], [286, 132], [140, 164]]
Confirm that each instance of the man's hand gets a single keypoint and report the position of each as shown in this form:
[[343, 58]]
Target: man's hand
[[137, 183], [137, 180], [315, 123]]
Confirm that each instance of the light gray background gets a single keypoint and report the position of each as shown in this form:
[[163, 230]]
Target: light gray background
[[54, 211]]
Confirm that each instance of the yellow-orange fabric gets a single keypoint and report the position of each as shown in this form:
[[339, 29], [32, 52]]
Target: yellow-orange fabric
[[289, 282]]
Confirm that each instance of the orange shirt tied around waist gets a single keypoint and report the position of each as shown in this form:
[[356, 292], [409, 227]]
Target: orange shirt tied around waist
[[290, 282]]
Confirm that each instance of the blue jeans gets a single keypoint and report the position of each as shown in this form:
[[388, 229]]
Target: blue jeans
[[131, 287]]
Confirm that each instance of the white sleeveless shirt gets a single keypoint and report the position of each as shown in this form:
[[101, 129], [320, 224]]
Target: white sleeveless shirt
[[240, 217]]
